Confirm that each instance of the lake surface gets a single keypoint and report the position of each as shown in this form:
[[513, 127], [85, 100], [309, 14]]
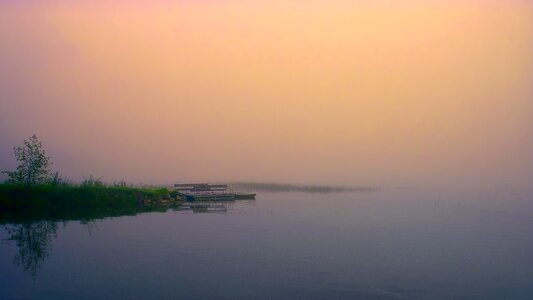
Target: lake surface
[[392, 244]]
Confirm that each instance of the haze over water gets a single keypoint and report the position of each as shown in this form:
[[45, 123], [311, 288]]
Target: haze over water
[[420, 93], [327, 110], [386, 245]]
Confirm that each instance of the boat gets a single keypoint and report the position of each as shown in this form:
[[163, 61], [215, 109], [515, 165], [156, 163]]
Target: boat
[[245, 196], [208, 196], [209, 192]]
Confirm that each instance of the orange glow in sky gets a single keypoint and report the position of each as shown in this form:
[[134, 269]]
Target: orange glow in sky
[[387, 94]]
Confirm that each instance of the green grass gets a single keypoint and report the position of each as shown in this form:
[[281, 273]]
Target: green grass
[[88, 200]]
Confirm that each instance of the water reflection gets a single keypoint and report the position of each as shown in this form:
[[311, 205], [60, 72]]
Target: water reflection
[[33, 232], [34, 243], [205, 207]]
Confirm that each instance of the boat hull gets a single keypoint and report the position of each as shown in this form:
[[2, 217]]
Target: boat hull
[[209, 197], [245, 196]]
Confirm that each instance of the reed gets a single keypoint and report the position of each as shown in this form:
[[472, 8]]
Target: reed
[[89, 193]]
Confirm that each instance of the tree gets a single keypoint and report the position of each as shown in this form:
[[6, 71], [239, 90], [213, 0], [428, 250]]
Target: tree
[[33, 165]]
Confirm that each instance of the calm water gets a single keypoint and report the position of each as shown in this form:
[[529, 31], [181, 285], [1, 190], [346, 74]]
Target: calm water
[[381, 245]]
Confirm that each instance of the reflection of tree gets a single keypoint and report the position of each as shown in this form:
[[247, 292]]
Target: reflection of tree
[[34, 243], [33, 231], [90, 224]]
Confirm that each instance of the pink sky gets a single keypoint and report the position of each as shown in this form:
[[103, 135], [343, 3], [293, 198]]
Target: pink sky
[[346, 92]]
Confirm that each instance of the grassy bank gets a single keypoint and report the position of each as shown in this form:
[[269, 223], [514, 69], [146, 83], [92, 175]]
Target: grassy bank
[[72, 201]]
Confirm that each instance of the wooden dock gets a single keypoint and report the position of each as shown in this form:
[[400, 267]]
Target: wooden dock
[[209, 192]]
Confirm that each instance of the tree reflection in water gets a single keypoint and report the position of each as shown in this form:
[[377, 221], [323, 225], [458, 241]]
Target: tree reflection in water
[[33, 232], [34, 242]]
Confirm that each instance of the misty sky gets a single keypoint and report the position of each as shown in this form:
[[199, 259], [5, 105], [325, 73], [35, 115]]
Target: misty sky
[[345, 92]]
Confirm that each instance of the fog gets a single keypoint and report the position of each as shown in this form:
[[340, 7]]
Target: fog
[[362, 94]]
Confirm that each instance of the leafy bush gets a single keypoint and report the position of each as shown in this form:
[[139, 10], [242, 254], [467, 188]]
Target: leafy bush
[[34, 165]]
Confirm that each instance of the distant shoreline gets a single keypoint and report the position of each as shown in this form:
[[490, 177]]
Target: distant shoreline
[[283, 187]]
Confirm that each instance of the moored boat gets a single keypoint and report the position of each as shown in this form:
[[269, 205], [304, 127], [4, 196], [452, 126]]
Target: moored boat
[[245, 195], [209, 192]]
